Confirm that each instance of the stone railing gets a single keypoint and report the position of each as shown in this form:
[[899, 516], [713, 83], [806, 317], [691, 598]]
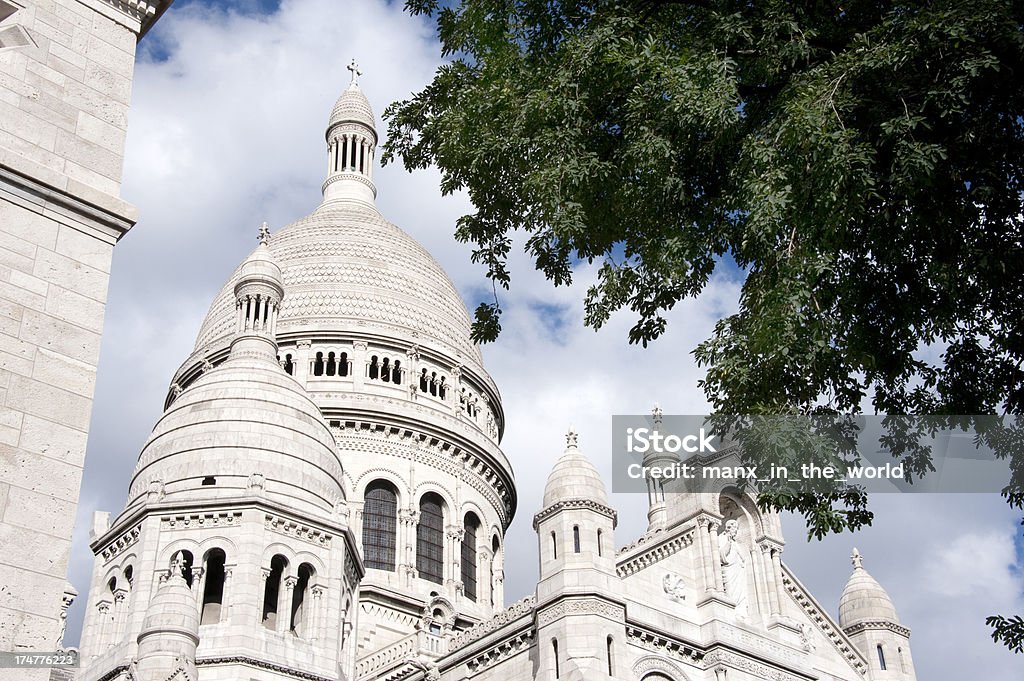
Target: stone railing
[[513, 612]]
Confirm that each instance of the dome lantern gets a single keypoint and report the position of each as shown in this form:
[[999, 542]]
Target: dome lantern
[[351, 145], [258, 295]]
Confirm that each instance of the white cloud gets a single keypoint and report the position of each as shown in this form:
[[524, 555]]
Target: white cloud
[[227, 131]]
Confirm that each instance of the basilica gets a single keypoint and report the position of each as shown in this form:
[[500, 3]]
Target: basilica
[[325, 498]]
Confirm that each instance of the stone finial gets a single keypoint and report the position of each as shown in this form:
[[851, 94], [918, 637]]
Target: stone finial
[[178, 565], [657, 413], [571, 437], [264, 234], [354, 70], [857, 559]]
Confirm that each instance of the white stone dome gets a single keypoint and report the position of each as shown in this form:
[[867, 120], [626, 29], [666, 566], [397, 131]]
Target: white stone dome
[[345, 267], [352, 107], [574, 478], [864, 599], [244, 427], [260, 267]]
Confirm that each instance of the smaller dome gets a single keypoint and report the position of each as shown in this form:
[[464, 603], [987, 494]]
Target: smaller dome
[[173, 608], [864, 599], [574, 477], [352, 107]]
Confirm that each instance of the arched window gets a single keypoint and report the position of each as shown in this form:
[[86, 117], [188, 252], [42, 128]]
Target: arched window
[[433, 382], [289, 367], [441, 388], [600, 542], [424, 386], [343, 364], [129, 576], [881, 657], [430, 539], [301, 622], [332, 364], [374, 367], [271, 591], [186, 562], [611, 658], [495, 562], [899, 654], [318, 364], [554, 652], [380, 516], [554, 546], [472, 524], [396, 373], [385, 370], [213, 589], [575, 538]]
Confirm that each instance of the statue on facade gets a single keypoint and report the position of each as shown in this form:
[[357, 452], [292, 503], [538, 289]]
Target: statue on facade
[[734, 566]]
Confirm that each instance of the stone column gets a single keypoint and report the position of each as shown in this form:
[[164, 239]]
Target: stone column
[[316, 607], [302, 360], [716, 556], [284, 604], [261, 598], [484, 585], [771, 579], [198, 587], [225, 597], [777, 574], [359, 362], [104, 637], [120, 613], [704, 550]]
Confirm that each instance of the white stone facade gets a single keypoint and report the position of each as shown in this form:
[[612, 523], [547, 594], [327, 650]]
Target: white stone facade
[[325, 497], [65, 81]]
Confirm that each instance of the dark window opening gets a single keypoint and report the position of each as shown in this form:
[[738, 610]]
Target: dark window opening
[[213, 591], [209, 480], [430, 539], [272, 590], [380, 514], [469, 581], [318, 364]]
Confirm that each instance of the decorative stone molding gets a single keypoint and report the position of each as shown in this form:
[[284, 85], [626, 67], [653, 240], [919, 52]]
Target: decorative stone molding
[[193, 520], [650, 663], [823, 622], [509, 614], [581, 606], [890, 626], [288, 672], [674, 586], [662, 645], [353, 575], [500, 652], [755, 668], [290, 528], [655, 554], [575, 504], [122, 542]]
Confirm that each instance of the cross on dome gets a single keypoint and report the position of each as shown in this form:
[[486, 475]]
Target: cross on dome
[[657, 413], [571, 437], [264, 234], [354, 69], [857, 559]]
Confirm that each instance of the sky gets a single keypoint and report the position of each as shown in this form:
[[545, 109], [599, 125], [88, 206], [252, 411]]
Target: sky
[[226, 130]]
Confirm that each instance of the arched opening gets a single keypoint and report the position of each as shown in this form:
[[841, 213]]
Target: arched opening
[[469, 581], [289, 367], [554, 545], [433, 383], [554, 653], [424, 386], [129, 576], [374, 367], [903, 660], [385, 370], [600, 543], [611, 657], [441, 388], [186, 565], [881, 657], [271, 591], [318, 364], [396, 373], [430, 539], [332, 364], [301, 620], [575, 538], [495, 564], [380, 517], [213, 589]]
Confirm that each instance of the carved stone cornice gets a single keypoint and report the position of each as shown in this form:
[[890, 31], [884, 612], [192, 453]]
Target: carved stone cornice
[[655, 553], [580, 606], [290, 528], [510, 614], [663, 644], [500, 652], [880, 624], [287, 672], [195, 520], [756, 668], [823, 622], [122, 542], [576, 504]]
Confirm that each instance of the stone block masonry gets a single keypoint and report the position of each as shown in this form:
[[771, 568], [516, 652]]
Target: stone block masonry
[[65, 84]]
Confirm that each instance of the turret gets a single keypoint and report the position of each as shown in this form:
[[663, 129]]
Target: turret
[[351, 145], [170, 631], [258, 296], [868, 616], [577, 596]]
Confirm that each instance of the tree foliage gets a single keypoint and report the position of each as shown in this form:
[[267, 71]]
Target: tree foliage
[[861, 163]]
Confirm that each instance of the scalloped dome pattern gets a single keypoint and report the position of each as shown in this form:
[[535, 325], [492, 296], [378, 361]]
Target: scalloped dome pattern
[[345, 266], [352, 106]]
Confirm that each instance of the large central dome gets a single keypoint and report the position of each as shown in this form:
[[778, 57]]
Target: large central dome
[[346, 266]]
